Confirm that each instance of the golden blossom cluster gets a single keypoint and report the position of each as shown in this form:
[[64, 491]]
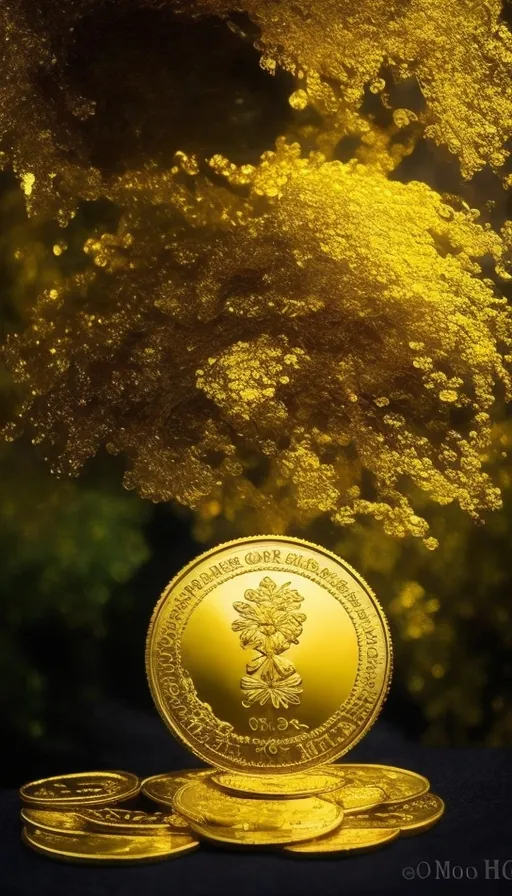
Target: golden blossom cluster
[[458, 53], [315, 334]]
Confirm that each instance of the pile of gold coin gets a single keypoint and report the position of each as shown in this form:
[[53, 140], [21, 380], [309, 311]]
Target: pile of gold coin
[[269, 658], [334, 809], [83, 818]]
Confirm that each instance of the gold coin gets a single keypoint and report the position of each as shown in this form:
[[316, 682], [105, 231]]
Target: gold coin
[[346, 840], [81, 789], [250, 836], [232, 819], [161, 788], [108, 848], [412, 817], [353, 798], [278, 786], [130, 821], [399, 784], [268, 655], [56, 821], [103, 820]]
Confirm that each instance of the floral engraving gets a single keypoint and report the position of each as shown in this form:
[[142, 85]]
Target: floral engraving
[[269, 623]]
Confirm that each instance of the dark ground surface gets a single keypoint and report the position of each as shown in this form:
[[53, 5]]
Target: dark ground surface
[[474, 839]]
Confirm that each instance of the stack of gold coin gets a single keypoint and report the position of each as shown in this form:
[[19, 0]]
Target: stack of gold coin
[[334, 809], [82, 818], [269, 658]]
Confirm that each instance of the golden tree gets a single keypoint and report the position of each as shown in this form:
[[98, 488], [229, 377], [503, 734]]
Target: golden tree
[[292, 295]]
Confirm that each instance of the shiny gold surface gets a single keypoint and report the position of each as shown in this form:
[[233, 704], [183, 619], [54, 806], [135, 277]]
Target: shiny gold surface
[[93, 848], [399, 784], [346, 840], [112, 820], [354, 347], [161, 788], [268, 655], [129, 821], [276, 786], [55, 821], [81, 789], [231, 819], [364, 831], [250, 836], [357, 798], [412, 817]]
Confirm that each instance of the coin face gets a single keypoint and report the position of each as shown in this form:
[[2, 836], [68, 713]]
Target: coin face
[[278, 786], [412, 817], [161, 788], [232, 819], [101, 849], [346, 840], [82, 789], [268, 655], [399, 784], [354, 798]]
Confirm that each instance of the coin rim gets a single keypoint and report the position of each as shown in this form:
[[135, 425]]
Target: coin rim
[[44, 826], [297, 850], [95, 826], [268, 795], [214, 832], [72, 802], [310, 763], [130, 828], [393, 768], [421, 827], [97, 859], [162, 801]]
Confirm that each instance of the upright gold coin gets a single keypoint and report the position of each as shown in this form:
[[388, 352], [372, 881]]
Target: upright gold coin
[[268, 655], [345, 840], [353, 798], [231, 819], [102, 849], [161, 788], [399, 784], [81, 789], [278, 786], [413, 817]]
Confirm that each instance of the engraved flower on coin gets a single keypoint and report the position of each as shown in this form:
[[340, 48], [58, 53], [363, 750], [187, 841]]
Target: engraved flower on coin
[[281, 692], [269, 623]]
